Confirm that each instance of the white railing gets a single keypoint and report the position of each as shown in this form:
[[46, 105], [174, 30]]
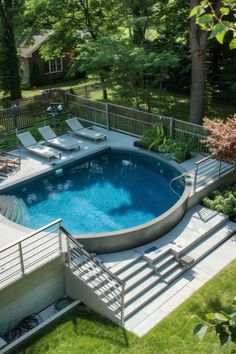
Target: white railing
[[29, 253], [208, 170], [90, 270]]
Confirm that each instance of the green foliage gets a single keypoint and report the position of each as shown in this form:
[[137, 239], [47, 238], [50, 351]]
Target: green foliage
[[224, 325], [154, 137], [210, 18], [222, 201], [178, 150], [25, 86], [2, 129], [35, 74], [10, 79], [83, 331]]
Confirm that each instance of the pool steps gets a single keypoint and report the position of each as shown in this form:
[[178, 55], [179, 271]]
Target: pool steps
[[14, 209]]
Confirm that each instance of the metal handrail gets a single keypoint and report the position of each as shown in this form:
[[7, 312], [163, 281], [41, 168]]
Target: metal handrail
[[58, 221], [95, 260], [19, 254], [98, 264], [210, 161], [185, 174]]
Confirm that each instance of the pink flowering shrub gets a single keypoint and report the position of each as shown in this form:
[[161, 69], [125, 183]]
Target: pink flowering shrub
[[222, 138]]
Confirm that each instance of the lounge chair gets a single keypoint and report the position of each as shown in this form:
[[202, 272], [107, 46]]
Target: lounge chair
[[78, 129], [30, 144], [9, 163], [64, 142]]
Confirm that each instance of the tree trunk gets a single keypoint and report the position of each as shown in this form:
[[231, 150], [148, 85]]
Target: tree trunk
[[197, 86], [198, 45], [10, 76]]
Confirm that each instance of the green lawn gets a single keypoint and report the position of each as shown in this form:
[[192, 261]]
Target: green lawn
[[84, 332], [166, 104]]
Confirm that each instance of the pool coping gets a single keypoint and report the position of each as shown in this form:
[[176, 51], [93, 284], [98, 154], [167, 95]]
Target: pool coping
[[178, 208]]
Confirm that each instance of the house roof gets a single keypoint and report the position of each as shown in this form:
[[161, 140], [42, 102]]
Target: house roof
[[28, 48]]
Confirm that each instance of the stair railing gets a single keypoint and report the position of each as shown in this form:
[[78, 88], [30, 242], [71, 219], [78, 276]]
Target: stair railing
[[209, 167], [79, 259]]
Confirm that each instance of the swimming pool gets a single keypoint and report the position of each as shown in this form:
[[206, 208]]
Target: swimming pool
[[111, 200], [112, 191]]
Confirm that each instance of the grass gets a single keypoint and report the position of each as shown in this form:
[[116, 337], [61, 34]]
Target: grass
[[84, 332], [167, 103]]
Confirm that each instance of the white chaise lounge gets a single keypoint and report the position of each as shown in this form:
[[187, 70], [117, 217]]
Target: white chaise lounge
[[78, 129], [65, 142], [30, 144]]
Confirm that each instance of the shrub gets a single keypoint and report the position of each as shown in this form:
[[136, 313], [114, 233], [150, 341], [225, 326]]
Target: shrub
[[222, 201], [222, 138], [178, 150], [154, 137]]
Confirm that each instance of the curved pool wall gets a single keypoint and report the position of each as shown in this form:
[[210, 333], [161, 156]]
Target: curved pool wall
[[134, 236], [137, 236]]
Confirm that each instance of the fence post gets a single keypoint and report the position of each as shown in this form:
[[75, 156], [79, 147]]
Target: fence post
[[172, 127], [107, 116], [66, 99], [14, 114]]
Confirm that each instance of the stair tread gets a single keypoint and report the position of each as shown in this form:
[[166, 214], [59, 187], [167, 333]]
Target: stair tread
[[122, 265], [132, 269], [167, 268], [141, 287], [138, 277], [141, 301], [173, 275], [211, 241], [165, 260]]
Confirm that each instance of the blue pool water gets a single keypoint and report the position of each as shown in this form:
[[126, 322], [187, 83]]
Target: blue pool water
[[111, 191]]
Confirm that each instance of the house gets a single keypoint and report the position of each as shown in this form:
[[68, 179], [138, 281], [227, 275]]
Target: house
[[29, 53]]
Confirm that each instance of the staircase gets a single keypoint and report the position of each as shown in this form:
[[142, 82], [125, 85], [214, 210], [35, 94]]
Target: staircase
[[14, 209], [152, 270], [94, 284], [126, 290]]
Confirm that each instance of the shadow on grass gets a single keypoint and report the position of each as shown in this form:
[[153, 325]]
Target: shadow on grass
[[85, 322]]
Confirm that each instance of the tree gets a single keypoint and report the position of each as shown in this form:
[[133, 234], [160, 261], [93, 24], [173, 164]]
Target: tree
[[10, 80], [73, 22], [134, 70], [222, 138], [213, 20], [222, 323], [209, 23]]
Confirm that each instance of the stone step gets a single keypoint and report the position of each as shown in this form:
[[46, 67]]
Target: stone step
[[124, 264], [175, 273], [137, 278], [133, 269], [168, 267], [159, 263], [141, 288], [141, 301], [212, 241]]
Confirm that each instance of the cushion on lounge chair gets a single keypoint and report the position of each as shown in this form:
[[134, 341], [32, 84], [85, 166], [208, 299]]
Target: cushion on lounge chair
[[78, 129], [64, 141], [74, 124], [26, 139], [47, 133]]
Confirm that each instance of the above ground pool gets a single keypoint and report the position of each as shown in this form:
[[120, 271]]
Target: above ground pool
[[111, 191], [125, 195]]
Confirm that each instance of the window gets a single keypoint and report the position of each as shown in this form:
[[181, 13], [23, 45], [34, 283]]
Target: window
[[54, 65]]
